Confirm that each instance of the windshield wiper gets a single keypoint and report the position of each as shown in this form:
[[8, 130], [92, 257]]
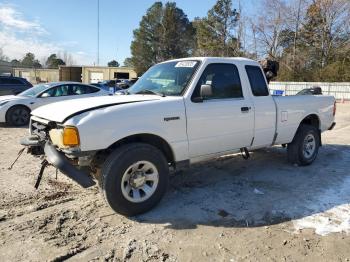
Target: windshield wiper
[[148, 91]]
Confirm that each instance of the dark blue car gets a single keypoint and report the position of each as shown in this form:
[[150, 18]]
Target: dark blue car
[[10, 85]]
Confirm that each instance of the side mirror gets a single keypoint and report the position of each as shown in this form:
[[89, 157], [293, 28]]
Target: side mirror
[[45, 95], [204, 92]]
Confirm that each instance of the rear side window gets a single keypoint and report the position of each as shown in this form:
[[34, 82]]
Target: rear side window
[[82, 90], [257, 81], [93, 89]]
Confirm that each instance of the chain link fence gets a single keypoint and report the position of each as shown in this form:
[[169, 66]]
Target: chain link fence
[[341, 91]]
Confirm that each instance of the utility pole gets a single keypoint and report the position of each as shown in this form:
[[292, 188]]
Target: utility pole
[[98, 32]]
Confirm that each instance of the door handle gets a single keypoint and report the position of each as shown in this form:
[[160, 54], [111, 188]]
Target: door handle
[[245, 109]]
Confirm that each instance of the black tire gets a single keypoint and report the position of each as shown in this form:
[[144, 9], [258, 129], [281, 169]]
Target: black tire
[[296, 151], [116, 166], [18, 116]]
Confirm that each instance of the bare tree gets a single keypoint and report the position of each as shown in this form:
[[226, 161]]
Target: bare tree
[[335, 26], [254, 41], [296, 27], [269, 27], [66, 57], [241, 28], [325, 31], [296, 11]]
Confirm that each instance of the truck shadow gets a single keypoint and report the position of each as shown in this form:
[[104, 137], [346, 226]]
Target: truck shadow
[[261, 191]]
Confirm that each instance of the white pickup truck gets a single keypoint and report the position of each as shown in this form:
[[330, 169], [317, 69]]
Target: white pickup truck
[[179, 112]]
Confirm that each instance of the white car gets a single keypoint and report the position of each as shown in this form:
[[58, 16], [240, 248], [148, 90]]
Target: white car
[[178, 113], [15, 109]]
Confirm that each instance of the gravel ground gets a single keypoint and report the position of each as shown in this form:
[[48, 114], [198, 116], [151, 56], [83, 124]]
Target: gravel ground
[[226, 210]]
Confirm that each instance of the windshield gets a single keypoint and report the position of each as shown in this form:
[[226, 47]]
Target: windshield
[[169, 78], [35, 90]]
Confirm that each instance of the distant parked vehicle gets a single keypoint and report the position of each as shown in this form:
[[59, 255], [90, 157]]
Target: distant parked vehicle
[[15, 109], [10, 85], [316, 90], [125, 83], [110, 83]]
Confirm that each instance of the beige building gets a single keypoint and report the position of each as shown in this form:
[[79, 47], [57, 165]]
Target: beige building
[[84, 74], [94, 74], [37, 75]]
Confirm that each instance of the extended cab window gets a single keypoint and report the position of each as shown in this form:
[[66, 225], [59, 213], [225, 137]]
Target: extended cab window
[[224, 80], [257, 81]]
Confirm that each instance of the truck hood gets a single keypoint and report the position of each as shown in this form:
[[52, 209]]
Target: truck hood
[[62, 111]]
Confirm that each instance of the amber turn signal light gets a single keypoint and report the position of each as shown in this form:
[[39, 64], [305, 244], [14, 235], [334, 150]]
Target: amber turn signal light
[[71, 136]]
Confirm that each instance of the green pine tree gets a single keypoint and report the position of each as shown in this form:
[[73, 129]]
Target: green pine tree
[[216, 32], [164, 33]]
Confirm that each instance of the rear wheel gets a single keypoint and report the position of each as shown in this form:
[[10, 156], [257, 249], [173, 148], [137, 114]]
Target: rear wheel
[[18, 116], [134, 178], [303, 149]]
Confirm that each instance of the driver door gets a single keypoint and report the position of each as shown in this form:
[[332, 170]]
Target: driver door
[[224, 121]]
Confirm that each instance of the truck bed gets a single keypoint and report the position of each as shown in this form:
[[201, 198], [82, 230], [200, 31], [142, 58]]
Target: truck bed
[[293, 109]]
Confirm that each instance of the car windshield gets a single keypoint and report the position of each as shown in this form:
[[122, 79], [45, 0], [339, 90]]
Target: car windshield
[[169, 78], [35, 90]]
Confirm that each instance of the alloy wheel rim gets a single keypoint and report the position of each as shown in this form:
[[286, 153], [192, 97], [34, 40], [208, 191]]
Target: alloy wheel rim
[[139, 181], [309, 146]]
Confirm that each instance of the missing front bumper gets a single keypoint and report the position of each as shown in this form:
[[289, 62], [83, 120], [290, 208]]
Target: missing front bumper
[[57, 159]]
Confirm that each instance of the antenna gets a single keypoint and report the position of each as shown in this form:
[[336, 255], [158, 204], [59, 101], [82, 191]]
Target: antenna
[[98, 32]]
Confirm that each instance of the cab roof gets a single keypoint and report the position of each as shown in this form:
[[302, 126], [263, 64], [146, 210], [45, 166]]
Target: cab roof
[[218, 59]]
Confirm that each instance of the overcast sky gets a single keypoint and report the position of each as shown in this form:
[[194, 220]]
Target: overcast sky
[[51, 26]]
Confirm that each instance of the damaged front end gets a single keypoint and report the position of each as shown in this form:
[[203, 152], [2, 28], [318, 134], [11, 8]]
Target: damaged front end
[[47, 141]]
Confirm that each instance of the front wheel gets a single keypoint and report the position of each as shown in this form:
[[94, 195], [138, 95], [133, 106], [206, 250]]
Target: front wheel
[[303, 149], [134, 178]]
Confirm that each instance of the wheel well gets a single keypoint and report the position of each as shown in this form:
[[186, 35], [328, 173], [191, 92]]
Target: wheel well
[[151, 139], [312, 120], [6, 116]]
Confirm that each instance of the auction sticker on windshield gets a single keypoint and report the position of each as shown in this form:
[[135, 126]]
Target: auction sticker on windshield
[[186, 64]]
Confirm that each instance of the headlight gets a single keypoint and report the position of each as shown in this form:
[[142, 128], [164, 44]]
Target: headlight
[[71, 136], [4, 102]]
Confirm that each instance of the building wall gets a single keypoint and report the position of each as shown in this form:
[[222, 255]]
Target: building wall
[[52, 75], [37, 75], [108, 72]]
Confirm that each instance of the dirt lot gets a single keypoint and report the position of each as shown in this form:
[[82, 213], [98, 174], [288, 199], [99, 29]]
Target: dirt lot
[[227, 210]]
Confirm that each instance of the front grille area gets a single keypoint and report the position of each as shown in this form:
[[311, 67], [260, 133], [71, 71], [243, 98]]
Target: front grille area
[[39, 129]]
